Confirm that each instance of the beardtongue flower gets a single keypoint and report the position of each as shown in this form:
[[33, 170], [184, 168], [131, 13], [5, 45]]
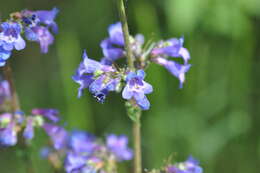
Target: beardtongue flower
[[113, 47], [48, 17], [8, 135], [136, 88], [189, 166], [57, 134], [80, 141], [176, 69], [173, 48], [85, 77], [10, 39], [51, 114], [41, 35], [118, 146], [102, 85], [75, 163]]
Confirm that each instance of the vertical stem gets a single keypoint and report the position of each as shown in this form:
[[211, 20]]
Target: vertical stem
[[15, 106], [130, 61], [123, 20], [137, 145]]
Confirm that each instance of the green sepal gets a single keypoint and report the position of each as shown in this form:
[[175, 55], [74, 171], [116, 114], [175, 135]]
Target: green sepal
[[133, 112]]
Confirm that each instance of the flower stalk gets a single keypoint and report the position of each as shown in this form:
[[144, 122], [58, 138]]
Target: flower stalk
[[136, 115]]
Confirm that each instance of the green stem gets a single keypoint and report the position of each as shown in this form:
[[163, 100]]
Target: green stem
[[137, 145], [15, 106], [123, 19], [137, 114]]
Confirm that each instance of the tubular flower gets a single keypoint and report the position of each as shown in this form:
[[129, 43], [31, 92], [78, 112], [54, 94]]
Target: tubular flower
[[10, 39], [96, 77], [172, 48], [118, 146], [136, 88]]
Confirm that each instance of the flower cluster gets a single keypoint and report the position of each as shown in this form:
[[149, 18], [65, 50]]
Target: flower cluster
[[102, 77], [82, 152], [189, 166], [13, 123], [35, 25]]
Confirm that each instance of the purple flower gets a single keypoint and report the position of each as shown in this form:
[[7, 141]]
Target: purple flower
[[173, 48], [4, 55], [82, 142], [174, 68], [8, 135], [102, 85], [85, 76], [10, 37], [41, 35], [57, 134], [189, 166], [28, 132], [74, 163], [110, 51], [116, 34], [136, 88], [118, 146], [51, 114], [48, 17], [113, 47]]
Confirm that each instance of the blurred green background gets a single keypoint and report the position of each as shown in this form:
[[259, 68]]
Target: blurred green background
[[215, 117]]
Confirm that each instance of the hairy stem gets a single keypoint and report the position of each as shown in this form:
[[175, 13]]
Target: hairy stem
[[15, 106]]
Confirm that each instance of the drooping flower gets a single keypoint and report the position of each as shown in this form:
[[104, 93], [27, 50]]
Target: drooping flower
[[37, 25], [74, 163], [47, 17], [136, 88], [80, 141], [102, 85], [57, 134], [189, 166], [41, 35], [51, 114], [95, 76], [172, 48], [113, 47], [8, 135], [118, 146], [176, 69]]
